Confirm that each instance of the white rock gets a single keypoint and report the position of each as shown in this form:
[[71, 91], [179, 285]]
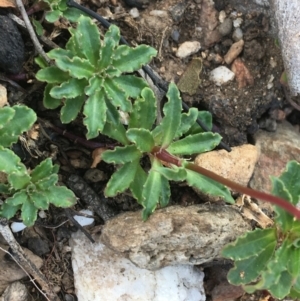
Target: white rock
[[237, 34], [159, 13], [221, 75], [188, 48], [102, 275], [134, 12], [17, 226], [82, 220], [222, 16], [237, 22]]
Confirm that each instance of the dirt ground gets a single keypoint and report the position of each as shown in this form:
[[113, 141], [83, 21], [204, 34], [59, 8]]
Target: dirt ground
[[254, 99]]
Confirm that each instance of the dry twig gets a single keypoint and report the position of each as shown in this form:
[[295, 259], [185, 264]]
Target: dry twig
[[31, 32], [22, 260]]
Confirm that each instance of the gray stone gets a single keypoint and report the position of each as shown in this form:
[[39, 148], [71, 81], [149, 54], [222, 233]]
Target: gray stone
[[11, 46], [275, 149], [11, 271], [225, 27], [237, 34], [15, 292], [174, 235]]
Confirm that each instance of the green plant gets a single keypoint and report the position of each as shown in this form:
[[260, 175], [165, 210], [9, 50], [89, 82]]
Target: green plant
[[270, 258], [89, 73], [24, 190], [59, 8], [171, 137]]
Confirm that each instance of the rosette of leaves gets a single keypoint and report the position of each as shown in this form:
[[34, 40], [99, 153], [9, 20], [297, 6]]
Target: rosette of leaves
[[176, 135], [269, 259], [26, 191], [59, 8], [89, 73], [30, 192]]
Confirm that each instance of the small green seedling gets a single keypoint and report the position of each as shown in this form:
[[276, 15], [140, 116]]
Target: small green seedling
[[269, 259], [89, 73], [172, 137], [26, 191], [59, 8]]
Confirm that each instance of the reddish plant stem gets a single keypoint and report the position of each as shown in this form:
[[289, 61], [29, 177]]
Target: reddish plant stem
[[166, 157]]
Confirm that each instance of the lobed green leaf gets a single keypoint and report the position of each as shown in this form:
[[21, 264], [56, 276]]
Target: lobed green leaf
[[6, 115], [121, 179], [291, 179], [142, 138], [43, 170], [60, 196], [206, 118], [172, 174], [152, 190], [95, 114], [52, 75], [116, 95], [28, 212], [89, 39], [121, 155], [57, 53], [283, 218], [72, 14], [166, 131], [208, 186], [136, 186], [77, 67], [49, 101], [187, 120], [165, 192], [71, 108], [18, 180], [132, 85], [70, 89], [111, 41], [195, 144], [113, 127], [127, 59], [47, 182], [21, 121], [9, 162], [53, 16], [39, 200], [8, 211], [144, 111]]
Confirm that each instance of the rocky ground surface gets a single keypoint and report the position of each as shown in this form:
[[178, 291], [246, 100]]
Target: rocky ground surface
[[225, 58]]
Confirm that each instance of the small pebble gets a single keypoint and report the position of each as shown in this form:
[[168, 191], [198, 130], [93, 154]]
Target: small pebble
[[222, 16], [221, 75], [237, 22], [237, 34], [188, 48], [175, 35], [273, 63], [82, 220], [177, 11], [134, 12], [225, 27], [159, 13], [235, 49], [3, 96], [17, 226]]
